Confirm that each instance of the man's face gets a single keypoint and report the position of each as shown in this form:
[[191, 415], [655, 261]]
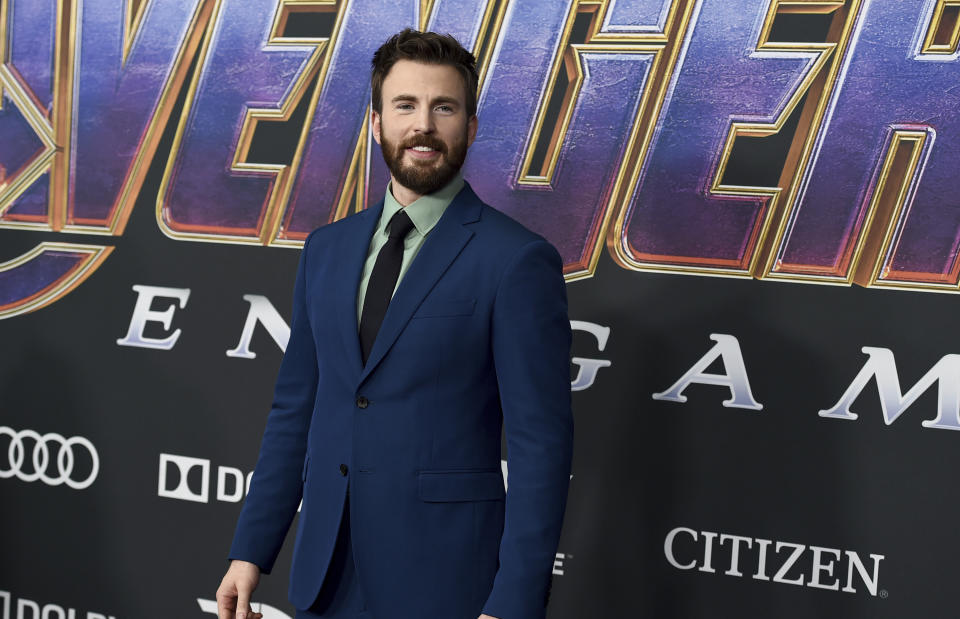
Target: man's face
[[423, 128]]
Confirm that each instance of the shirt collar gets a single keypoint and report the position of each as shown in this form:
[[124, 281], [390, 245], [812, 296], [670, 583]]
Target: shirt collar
[[424, 212]]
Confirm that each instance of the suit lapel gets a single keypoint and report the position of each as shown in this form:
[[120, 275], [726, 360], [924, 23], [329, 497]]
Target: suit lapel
[[442, 246], [352, 253]]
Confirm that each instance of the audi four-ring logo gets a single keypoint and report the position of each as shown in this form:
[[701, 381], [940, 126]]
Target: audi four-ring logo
[[42, 444]]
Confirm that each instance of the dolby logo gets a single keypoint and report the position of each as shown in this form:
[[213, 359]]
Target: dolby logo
[[767, 560], [189, 479], [12, 607]]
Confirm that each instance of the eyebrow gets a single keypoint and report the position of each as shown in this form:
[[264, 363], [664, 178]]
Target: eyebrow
[[435, 101]]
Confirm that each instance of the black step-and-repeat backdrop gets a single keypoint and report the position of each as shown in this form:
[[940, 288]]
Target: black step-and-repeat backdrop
[[747, 444]]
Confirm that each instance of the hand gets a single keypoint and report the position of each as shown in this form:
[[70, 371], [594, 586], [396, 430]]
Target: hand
[[233, 596]]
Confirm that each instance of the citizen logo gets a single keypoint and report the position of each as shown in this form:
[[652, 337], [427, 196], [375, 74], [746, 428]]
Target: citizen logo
[[50, 458], [23, 608], [773, 561], [188, 479]]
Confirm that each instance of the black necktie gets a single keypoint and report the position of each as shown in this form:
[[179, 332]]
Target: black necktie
[[383, 280]]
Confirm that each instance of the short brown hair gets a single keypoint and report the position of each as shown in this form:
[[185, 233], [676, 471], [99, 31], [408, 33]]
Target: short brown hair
[[426, 47]]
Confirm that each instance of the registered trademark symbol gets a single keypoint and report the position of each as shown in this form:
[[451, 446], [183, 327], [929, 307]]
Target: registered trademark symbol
[[884, 594]]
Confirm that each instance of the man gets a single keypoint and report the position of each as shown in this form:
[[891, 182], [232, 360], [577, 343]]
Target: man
[[420, 327]]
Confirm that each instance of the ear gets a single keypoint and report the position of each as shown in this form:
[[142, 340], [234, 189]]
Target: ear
[[375, 124], [471, 129]]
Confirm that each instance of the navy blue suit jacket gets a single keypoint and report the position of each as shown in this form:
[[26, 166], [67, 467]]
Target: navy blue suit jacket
[[476, 339]]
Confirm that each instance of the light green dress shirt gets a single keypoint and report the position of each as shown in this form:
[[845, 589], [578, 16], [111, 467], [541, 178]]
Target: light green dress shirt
[[425, 212]]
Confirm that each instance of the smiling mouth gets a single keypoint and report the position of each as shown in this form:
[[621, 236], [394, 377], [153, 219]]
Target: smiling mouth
[[422, 152]]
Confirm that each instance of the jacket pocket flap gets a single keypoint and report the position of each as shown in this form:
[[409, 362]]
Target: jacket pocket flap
[[445, 307], [445, 486]]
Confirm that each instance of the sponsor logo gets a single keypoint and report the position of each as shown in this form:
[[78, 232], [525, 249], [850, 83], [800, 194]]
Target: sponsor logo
[[53, 458], [787, 563], [22, 608], [177, 480], [268, 612]]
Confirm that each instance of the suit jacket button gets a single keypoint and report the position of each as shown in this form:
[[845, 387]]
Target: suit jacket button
[[362, 402], [343, 470]]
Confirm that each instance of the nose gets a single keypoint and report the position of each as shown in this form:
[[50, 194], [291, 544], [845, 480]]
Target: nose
[[424, 121]]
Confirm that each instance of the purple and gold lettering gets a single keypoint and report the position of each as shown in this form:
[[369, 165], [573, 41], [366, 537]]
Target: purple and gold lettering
[[28, 40], [129, 67], [333, 155], [86, 89], [877, 205], [652, 96], [44, 274], [730, 80], [568, 199], [248, 72]]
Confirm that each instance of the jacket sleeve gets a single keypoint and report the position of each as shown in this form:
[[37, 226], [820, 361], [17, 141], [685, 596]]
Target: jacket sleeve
[[531, 349], [276, 486]]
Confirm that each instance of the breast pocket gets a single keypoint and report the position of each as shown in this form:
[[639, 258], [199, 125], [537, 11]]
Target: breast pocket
[[434, 308]]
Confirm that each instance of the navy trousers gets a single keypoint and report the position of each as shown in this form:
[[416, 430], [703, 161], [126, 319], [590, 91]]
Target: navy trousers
[[340, 596]]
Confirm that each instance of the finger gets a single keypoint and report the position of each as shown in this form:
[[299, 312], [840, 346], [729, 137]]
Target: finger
[[225, 606], [243, 603]]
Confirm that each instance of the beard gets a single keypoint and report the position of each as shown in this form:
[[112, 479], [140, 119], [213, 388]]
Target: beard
[[424, 177]]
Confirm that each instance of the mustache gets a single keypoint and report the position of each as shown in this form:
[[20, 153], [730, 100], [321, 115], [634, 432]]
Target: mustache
[[424, 140]]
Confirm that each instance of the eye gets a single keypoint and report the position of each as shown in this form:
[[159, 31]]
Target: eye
[[404, 106], [446, 109]]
